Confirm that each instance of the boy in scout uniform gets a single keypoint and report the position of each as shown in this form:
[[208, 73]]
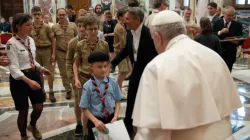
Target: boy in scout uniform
[[45, 47], [84, 48], [120, 35], [69, 65], [64, 31]]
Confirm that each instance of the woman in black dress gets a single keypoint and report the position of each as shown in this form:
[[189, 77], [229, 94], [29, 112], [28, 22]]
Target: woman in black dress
[[207, 38]]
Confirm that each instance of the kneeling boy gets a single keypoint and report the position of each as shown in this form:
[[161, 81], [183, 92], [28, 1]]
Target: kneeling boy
[[101, 95]]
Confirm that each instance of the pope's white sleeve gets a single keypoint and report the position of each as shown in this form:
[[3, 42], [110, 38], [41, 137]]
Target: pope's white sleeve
[[15, 71], [152, 134]]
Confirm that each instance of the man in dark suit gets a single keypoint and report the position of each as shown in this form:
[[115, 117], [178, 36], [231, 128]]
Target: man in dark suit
[[212, 9], [71, 13], [4, 26], [228, 28], [140, 48]]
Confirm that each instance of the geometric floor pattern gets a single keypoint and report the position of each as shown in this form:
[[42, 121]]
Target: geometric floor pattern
[[57, 121]]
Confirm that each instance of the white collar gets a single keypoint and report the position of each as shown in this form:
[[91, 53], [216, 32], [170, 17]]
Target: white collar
[[225, 21], [138, 30], [174, 40]]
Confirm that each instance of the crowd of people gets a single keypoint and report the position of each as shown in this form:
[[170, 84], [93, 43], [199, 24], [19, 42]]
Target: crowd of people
[[178, 88]]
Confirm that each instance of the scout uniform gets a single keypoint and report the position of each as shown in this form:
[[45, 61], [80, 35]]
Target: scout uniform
[[43, 37], [120, 36], [63, 34], [103, 111], [21, 54], [70, 58], [84, 49], [190, 34]]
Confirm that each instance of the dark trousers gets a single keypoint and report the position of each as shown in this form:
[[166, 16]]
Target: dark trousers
[[92, 125], [229, 56], [128, 121]]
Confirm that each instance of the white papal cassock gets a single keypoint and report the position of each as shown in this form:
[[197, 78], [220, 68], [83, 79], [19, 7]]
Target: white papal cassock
[[185, 93]]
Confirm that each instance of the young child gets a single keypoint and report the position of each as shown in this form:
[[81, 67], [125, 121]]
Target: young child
[[101, 95]]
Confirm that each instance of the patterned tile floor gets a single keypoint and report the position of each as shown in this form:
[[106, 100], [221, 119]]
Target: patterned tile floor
[[57, 121]]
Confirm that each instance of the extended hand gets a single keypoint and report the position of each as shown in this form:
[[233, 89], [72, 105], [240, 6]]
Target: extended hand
[[46, 72], [113, 120], [224, 30], [78, 84]]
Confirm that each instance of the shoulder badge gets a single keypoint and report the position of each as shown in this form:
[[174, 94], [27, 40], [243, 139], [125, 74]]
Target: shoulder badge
[[8, 46]]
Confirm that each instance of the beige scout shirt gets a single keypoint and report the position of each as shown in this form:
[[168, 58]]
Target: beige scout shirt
[[120, 36], [190, 22], [45, 36], [64, 36], [83, 51]]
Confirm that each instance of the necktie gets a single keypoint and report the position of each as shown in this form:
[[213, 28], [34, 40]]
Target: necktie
[[226, 25]]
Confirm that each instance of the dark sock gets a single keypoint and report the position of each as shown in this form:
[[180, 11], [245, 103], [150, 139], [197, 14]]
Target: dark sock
[[23, 134], [79, 122]]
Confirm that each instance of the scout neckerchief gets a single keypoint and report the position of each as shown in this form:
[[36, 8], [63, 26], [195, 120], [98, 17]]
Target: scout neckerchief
[[102, 97], [37, 33], [32, 64], [64, 26], [92, 45]]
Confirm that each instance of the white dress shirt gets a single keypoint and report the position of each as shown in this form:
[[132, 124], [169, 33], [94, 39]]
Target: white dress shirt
[[136, 40], [19, 58], [211, 17]]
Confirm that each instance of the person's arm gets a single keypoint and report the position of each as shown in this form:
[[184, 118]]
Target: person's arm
[[98, 124], [118, 97], [70, 59], [77, 58], [117, 110], [121, 55], [53, 43], [85, 103]]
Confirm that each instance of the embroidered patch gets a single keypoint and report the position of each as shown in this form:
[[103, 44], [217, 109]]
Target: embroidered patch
[[8, 46]]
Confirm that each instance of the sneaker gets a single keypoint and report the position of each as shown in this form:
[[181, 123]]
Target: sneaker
[[79, 130], [68, 95], [36, 134], [52, 97], [25, 138], [86, 137]]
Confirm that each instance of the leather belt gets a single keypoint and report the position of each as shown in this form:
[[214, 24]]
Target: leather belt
[[29, 70], [43, 47], [61, 50]]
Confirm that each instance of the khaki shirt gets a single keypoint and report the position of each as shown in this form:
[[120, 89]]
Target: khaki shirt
[[83, 51], [190, 22], [45, 36], [120, 36], [62, 36]]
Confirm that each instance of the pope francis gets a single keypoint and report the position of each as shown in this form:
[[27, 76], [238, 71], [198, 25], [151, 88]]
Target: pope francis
[[186, 92]]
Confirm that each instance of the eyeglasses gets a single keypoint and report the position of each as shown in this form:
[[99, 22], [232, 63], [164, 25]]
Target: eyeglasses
[[92, 29], [37, 14], [61, 15]]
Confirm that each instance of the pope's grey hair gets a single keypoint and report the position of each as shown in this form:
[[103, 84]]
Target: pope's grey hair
[[171, 30], [136, 12]]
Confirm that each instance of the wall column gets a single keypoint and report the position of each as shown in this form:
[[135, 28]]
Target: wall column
[[172, 4]]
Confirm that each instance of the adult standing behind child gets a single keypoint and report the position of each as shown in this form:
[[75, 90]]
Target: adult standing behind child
[[101, 95]]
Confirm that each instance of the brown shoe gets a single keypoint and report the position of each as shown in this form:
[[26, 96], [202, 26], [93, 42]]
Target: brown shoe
[[25, 138], [52, 97], [68, 95], [36, 134]]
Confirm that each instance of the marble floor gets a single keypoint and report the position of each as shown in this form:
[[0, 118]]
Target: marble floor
[[57, 121]]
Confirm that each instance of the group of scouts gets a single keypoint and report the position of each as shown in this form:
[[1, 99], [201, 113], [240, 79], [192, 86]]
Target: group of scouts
[[83, 61]]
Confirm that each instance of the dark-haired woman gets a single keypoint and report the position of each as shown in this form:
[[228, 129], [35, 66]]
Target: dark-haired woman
[[207, 38], [25, 81]]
